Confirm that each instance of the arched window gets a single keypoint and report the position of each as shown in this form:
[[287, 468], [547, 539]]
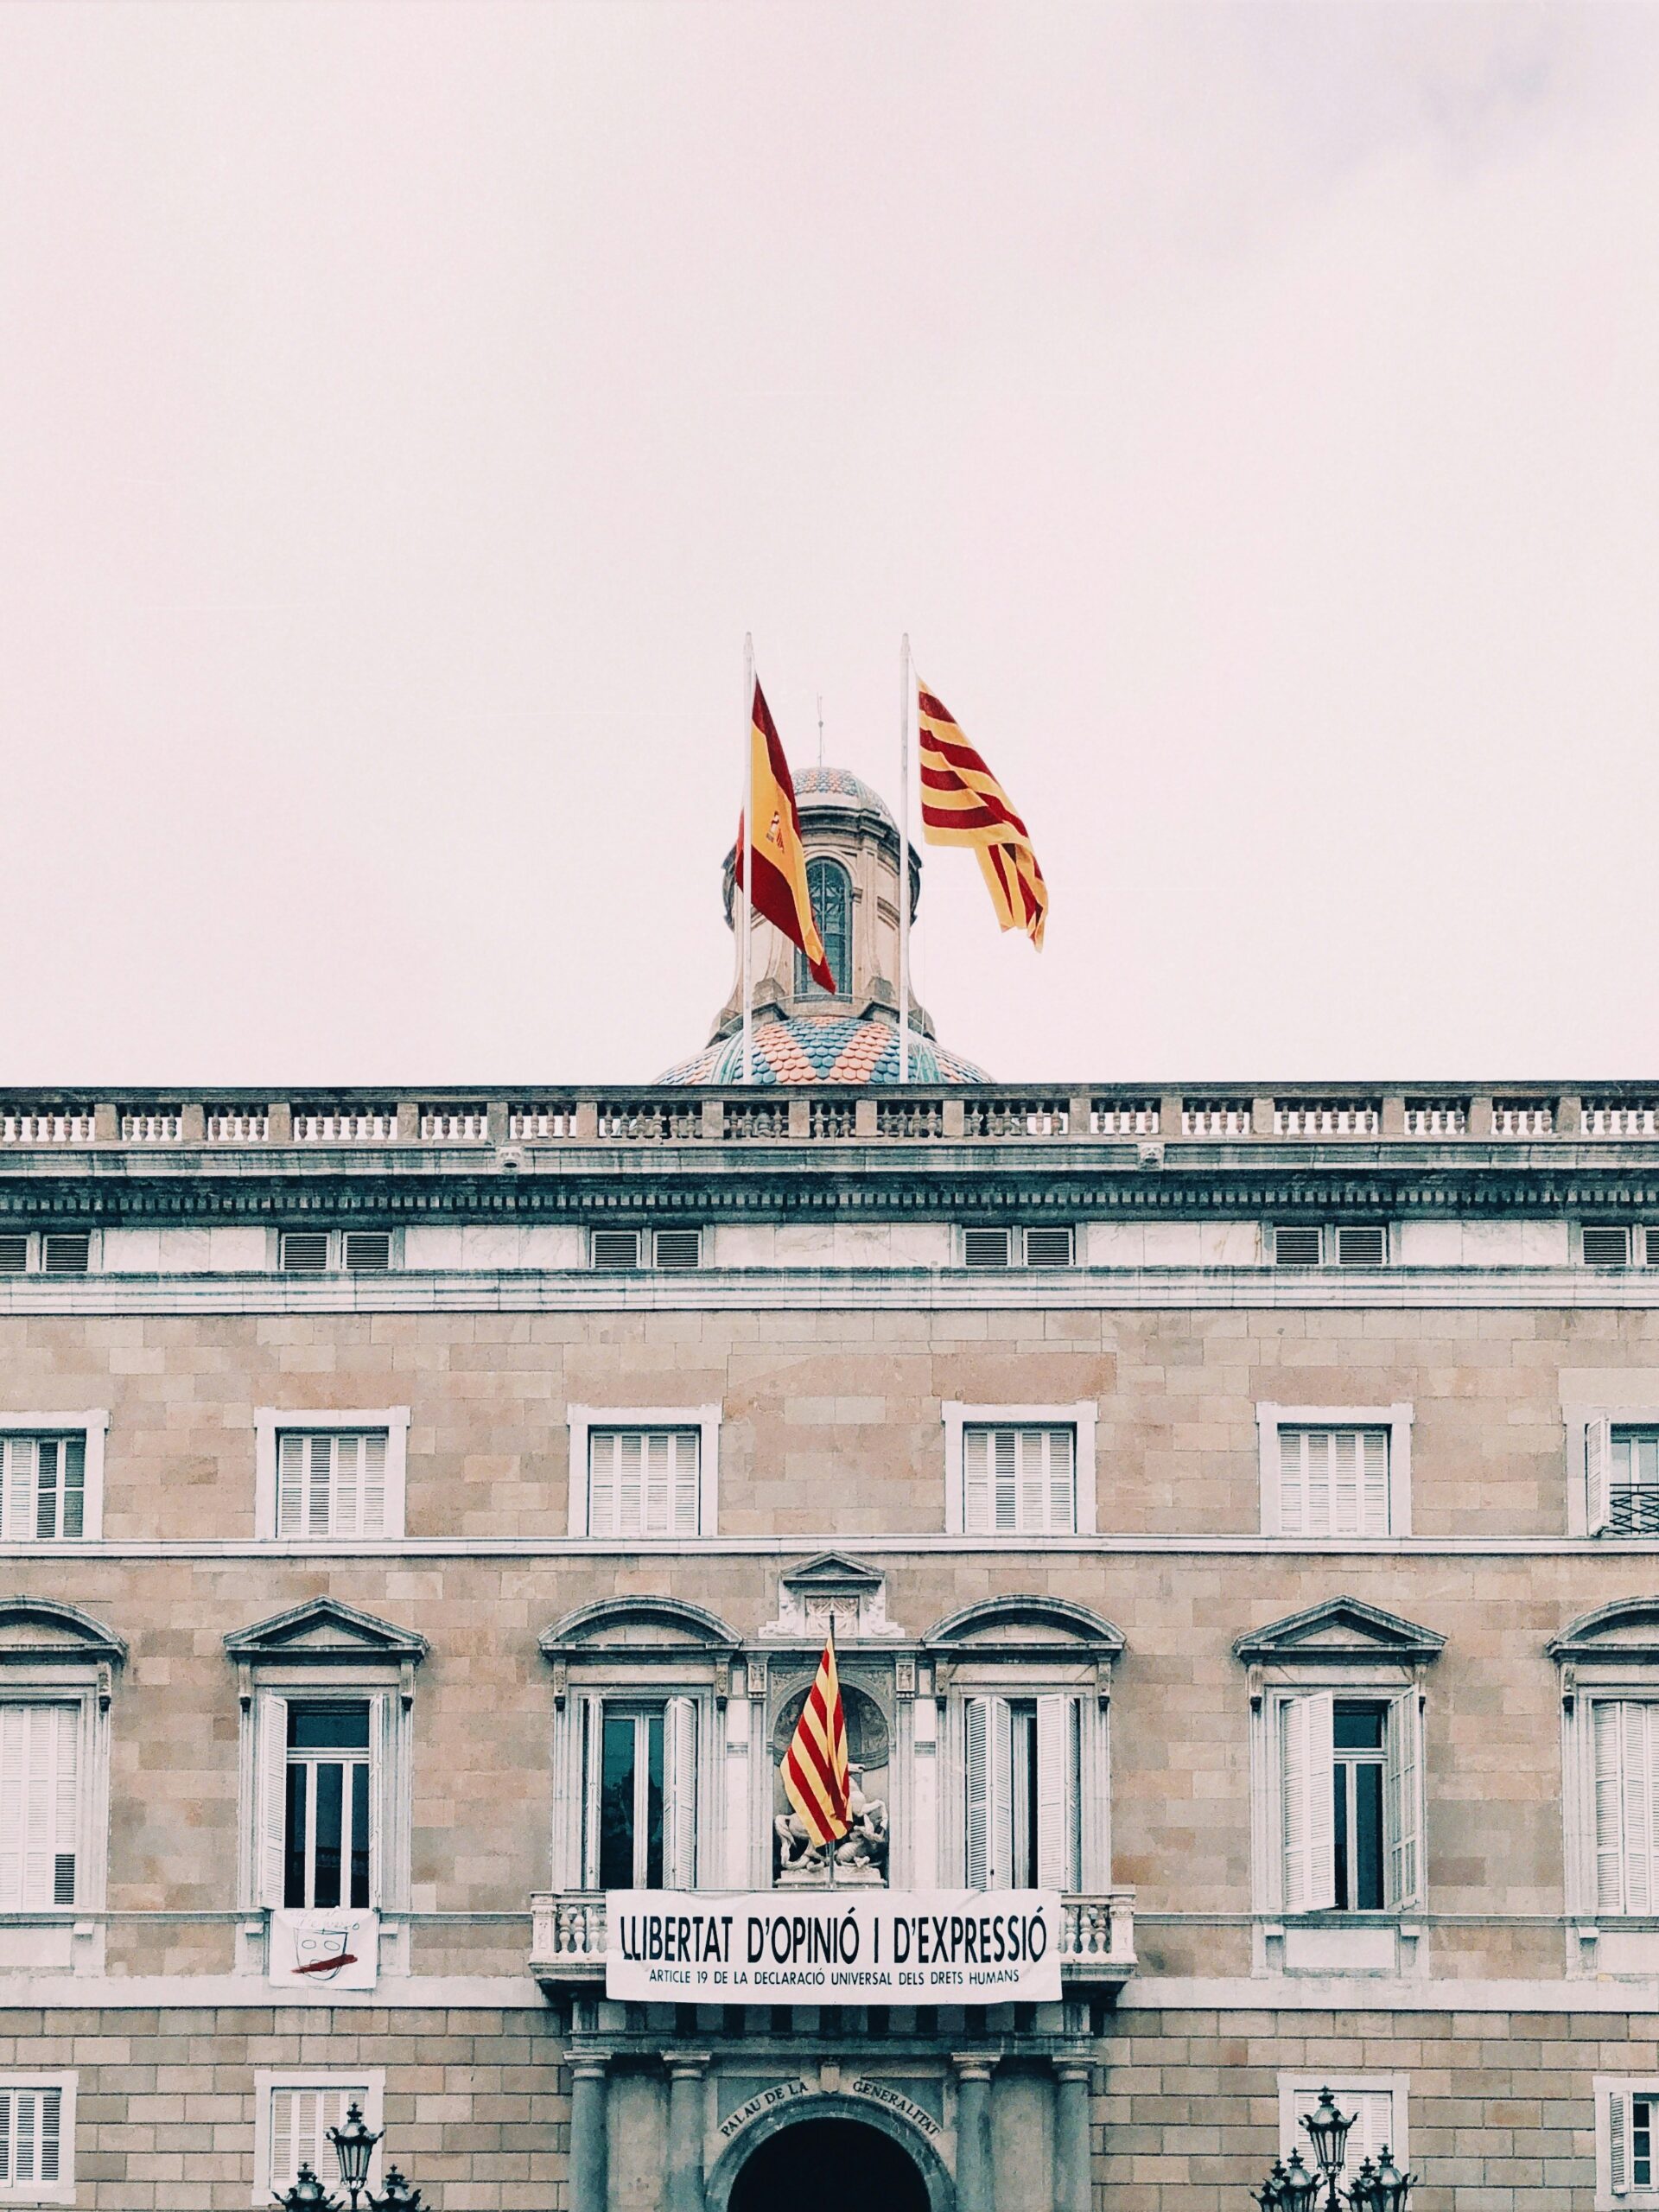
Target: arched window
[[832, 902]]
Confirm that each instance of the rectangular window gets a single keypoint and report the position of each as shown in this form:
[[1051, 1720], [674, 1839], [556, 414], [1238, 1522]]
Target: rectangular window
[[293, 2115], [641, 1767], [1376, 2103], [367, 1251], [331, 1485], [1627, 2116], [1022, 1481], [678, 1248], [1622, 1459], [326, 1824], [40, 1805], [1625, 1736], [1021, 1764], [66, 1252], [1350, 1803], [615, 1250], [985, 1248], [36, 2140], [13, 1252], [1606, 1246], [1049, 1247], [1296, 1247], [1361, 1245], [644, 1482], [42, 1488], [1333, 1482]]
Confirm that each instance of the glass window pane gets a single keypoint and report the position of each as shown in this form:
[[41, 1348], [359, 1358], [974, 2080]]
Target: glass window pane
[[328, 1727], [330, 1790], [1358, 1727], [1368, 1839], [293, 1861], [360, 1833], [654, 1803], [616, 1805], [1339, 1845]]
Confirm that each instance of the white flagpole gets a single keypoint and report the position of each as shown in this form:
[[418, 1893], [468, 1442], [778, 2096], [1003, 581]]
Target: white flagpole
[[905, 687], [748, 855]]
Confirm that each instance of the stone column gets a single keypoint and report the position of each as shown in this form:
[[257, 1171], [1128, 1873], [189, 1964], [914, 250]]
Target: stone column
[[588, 2148], [1071, 2165], [976, 2189], [685, 2073]]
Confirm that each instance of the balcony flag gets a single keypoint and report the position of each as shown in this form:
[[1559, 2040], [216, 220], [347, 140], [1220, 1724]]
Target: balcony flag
[[815, 1779], [962, 804]]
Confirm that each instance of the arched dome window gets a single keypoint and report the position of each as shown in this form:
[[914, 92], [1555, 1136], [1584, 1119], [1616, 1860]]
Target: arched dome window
[[832, 902]]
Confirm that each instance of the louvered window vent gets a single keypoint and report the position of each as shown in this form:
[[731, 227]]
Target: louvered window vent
[[368, 1251], [678, 1248], [66, 1252], [1296, 1247], [615, 1250], [305, 1251], [1606, 1245]]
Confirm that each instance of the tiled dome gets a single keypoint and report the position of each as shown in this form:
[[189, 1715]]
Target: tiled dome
[[824, 1048], [841, 783]]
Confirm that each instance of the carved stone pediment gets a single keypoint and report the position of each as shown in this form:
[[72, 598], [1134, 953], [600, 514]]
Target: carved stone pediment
[[1022, 1626], [35, 1629], [1341, 1628], [832, 1589], [639, 1625], [325, 1628], [1628, 1628]]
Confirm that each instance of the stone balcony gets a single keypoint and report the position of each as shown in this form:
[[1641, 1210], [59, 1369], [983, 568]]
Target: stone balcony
[[568, 1942]]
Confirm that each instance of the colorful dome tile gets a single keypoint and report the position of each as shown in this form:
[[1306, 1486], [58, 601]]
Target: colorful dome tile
[[841, 783], [824, 1048]]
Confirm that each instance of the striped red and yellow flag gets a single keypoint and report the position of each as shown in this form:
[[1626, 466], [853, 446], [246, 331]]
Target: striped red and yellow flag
[[814, 1765], [780, 886], [962, 804]]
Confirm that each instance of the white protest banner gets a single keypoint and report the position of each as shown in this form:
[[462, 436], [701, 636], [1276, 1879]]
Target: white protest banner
[[833, 1947], [324, 1950]]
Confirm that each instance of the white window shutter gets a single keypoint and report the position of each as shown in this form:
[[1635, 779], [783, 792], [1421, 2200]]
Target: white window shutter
[[272, 1831], [686, 1449], [1599, 1471], [1293, 1482], [988, 1724], [1062, 1483], [1374, 1482], [373, 1522], [1343, 1516], [1033, 1481], [602, 1457], [382, 1771], [66, 1750], [283, 2164], [319, 1485], [1637, 1806], [1402, 1802], [48, 2134], [1618, 2133], [19, 1488], [345, 1518], [13, 1732], [1606, 1738], [654, 1455], [680, 1793], [1306, 1751], [39, 1773], [630, 1483], [976, 1481], [1007, 1514], [1057, 1795], [291, 1484], [593, 1757]]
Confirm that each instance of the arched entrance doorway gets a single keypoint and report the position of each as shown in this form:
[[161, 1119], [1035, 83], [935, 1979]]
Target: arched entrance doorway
[[826, 2165]]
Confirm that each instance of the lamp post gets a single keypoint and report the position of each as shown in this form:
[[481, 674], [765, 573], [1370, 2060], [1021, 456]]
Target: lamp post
[[353, 2146], [1297, 2187]]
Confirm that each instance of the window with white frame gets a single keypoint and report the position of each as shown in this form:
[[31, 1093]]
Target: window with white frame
[[1019, 1471], [328, 1767], [51, 1477], [1350, 1800], [40, 1804], [1022, 1480], [1022, 1779], [643, 1471], [1625, 1798], [335, 1476], [37, 2138], [1621, 1467], [1627, 2141], [1376, 2101], [1335, 1472], [639, 1793], [293, 2114]]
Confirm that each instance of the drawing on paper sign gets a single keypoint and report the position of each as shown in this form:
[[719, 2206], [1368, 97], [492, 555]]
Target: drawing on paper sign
[[324, 1950]]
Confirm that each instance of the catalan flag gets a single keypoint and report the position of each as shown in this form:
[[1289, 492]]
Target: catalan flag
[[780, 892], [962, 804], [814, 1765]]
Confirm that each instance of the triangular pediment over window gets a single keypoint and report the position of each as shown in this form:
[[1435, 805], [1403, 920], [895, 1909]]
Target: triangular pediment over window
[[1342, 1628], [641, 1624], [45, 1628], [324, 1629], [1025, 1624], [1629, 1629], [830, 1590]]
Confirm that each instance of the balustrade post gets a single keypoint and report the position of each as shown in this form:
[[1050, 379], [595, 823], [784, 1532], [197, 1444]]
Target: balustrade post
[[976, 2186]]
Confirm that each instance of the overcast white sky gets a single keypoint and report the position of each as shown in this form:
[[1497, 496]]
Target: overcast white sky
[[1252, 414]]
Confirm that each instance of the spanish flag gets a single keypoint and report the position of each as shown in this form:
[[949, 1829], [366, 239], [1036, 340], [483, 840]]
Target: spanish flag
[[780, 892], [962, 804], [814, 1766]]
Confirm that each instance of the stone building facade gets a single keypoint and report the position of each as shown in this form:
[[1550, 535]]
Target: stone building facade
[[424, 1510]]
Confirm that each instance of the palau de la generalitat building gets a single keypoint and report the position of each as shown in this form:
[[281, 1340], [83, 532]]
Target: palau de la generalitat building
[[1236, 1506]]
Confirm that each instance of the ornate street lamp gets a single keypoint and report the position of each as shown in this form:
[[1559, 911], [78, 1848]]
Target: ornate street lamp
[[397, 2195], [354, 2146], [306, 2194], [1299, 2188]]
